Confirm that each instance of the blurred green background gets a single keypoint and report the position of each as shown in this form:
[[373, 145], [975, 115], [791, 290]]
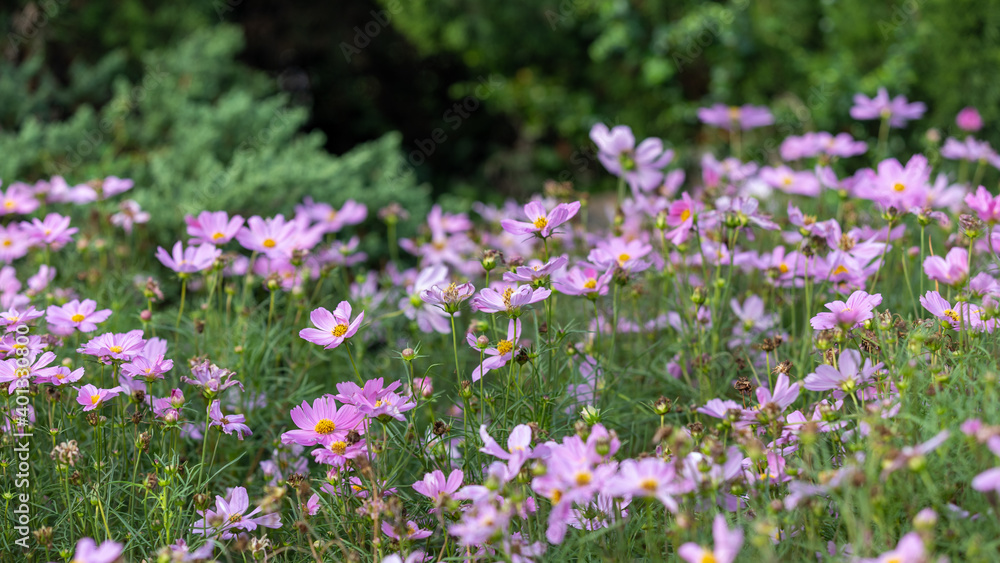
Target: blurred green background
[[239, 104]]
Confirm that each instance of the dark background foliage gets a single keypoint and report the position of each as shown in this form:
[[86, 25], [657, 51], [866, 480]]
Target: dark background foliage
[[364, 69]]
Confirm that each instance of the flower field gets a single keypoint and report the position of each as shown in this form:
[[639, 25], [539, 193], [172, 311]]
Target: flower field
[[785, 358]]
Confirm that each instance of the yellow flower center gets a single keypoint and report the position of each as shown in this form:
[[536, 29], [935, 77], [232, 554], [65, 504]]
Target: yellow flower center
[[505, 347], [783, 268], [708, 557], [94, 399], [217, 236], [339, 330], [338, 447], [9, 203], [325, 426], [235, 518], [840, 270], [622, 258], [591, 283], [787, 181], [556, 496], [507, 293], [7, 242], [734, 113], [116, 349], [77, 318], [898, 187], [269, 243], [541, 222], [952, 315], [378, 403], [649, 485], [685, 214], [583, 478]]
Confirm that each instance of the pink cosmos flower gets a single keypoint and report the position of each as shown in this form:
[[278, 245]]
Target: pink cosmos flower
[[729, 117], [117, 346], [541, 223], [910, 455], [322, 422], [188, 260], [230, 517], [428, 317], [413, 531], [969, 119], [963, 315], [971, 150], [585, 280], [801, 182], [858, 308], [782, 396], [19, 373], [213, 227], [642, 166], [273, 236], [617, 252], [650, 477], [508, 301], [210, 378], [849, 375], [985, 204], [349, 393], [228, 423], [53, 232], [13, 242], [147, 368], [897, 110], [448, 297], [518, 447], [62, 376], [75, 315], [91, 397], [896, 185], [129, 214], [727, 545], [12, 318], [436, 487], [390, 405], [951, 270], [87, 551], [18, 200], [333, 220], [910, 549], [681, 217], [535, 272], [496, 356], [332, 328], [989, 480]]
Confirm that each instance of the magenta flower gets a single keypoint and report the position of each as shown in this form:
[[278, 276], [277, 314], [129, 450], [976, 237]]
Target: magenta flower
[[650, 477], [91, 397], [970, 150], [389, 405], [858, 309], [951, 270], [782, 396], [332, 328], [87, 551], [963, 315], [62, 376], [190, 260], [53, 232], [19, 374], [213, 227], [508, 301], [897, 110], [969, 119], [912, 456], [12, 318], [731, 117], [989, 480], [499, 355], [413, 531], [115, 346], [518, 447], [436, 487], [129, 214], [617, 252], [13, 242], [428, 317], [230, 517], [896, 185], [727, 545], [228, 424], [18, 199], [985, 204], [849, 375], [585, 280], [681, 217], [642, 166], [449, 297], [541, 223], [147, 368], [273, 236], [535, 272], [322, 423], [75, 315]]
